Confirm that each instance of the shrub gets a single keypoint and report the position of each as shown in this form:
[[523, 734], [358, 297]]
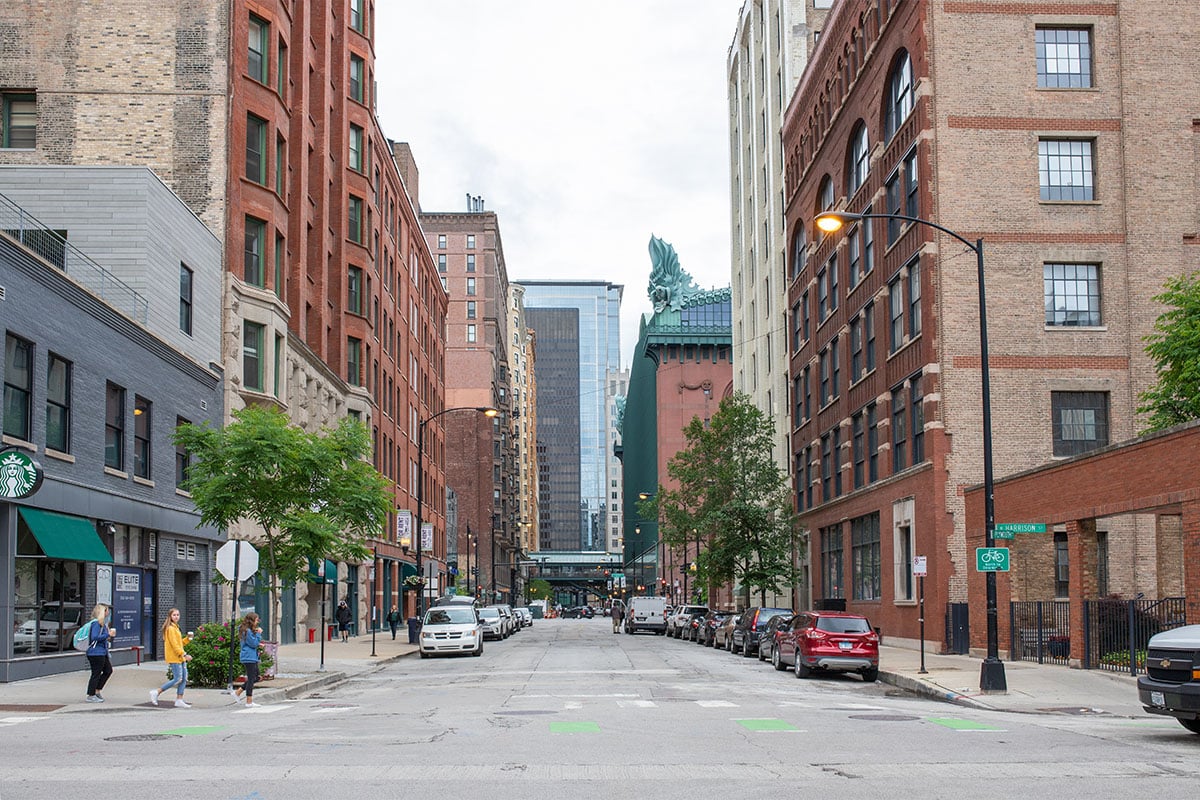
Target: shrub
[[209, 650]]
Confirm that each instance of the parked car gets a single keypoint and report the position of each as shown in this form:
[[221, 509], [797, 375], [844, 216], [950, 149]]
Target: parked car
[[646, 614], [53, 629], [836, 641], [691, 628], [754, 620], [1171, 685], [510, 620], [525, 616], [493, 622], [708, 626], [451, 630], [679, 617], [723, 634], [770, 635]]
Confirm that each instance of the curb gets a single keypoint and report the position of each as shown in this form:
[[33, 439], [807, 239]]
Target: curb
[[320, 681], [932, 691]]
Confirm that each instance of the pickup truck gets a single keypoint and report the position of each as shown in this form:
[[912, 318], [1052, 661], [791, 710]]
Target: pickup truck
[[1171, 685]]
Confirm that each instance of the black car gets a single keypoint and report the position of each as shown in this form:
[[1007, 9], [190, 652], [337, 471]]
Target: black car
[[745, 636], [766, 642], [708, 625], [690, 628]]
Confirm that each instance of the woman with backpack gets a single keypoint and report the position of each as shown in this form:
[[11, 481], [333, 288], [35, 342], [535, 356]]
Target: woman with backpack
[[250, 636], [173, 642], [100, 636]]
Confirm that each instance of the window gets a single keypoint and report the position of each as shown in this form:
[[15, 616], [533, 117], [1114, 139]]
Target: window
[[1065, 169], [916, 408], [354, 290], [471, 263], [256, 231], [256, 149], [281, 70], [869, 334], [1101, 563], [912, 196], [799, 250], [252, 355], [441, 241], [896, 313], [903, 549], [826, 196], [441, 262], [259, 44], [18, 120], [1080, 421], [357, 71], [1062, 565], [1072, 293], [900, 95], [857, 354], [356, 15], [808, 476], [356, 148], [280, 251], [471, 287], [891, 199], [185, 299], [183, 459], [831, 561], [864, 556], [356, 219], [872, 444], [914, 299], [822, 295], [1064, 58], [805, 326], [471, 333], [860, 158], [833, 283], [58, 404], [824, 366], [835, 367], [277, 373], [796, 329], [470, 241], [18, 387], [141, 437], [114, 426], [829, 465], [280, 165], [899, 431], [470, 309], [354, 355], [858, 448], [806, 383]]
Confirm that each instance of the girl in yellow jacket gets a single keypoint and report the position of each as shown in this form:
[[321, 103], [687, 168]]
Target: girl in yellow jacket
[[173, 643]]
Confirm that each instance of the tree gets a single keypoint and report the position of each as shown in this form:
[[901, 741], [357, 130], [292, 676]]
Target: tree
[[539, 589], [1175, 348], [731, 493], [312, 494]]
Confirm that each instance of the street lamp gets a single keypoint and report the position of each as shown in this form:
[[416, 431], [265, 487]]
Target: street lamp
[[991, 672], [487, 412]]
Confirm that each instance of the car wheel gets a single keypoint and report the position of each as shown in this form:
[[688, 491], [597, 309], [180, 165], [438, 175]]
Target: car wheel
[[478, 650], [802, 671], [761, 657], [870, 675], [776, 661], [424, 654], [1192, 725], [746, 651], [728, 644]]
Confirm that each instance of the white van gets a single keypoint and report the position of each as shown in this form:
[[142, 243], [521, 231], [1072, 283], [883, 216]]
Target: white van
[[646, 614]]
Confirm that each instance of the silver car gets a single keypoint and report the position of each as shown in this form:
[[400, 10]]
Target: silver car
[[493, 622], [451, 630]]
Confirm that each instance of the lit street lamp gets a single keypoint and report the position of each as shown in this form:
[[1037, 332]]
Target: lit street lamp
[[487, 412], [991, 673]]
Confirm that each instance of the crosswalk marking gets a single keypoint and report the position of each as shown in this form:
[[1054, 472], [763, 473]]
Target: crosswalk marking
[[258, 708], [637, 704], [6, 722], [716, 704]]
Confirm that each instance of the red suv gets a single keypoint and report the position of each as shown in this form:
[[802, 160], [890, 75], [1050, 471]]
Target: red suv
[[829, 640]]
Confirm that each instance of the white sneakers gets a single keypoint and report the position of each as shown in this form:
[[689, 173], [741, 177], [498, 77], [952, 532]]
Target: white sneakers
[[154, 697], [239, 698], [180, 704]]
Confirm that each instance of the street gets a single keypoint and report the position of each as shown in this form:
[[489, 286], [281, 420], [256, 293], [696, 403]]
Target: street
[[567, 708]]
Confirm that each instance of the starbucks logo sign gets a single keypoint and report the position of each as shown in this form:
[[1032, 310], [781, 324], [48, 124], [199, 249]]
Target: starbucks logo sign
[[20, 475]]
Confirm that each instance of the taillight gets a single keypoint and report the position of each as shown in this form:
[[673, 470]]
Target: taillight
[[813, 633], [754, 622], [872, 638]]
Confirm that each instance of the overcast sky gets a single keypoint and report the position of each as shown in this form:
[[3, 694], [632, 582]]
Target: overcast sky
[[585, 126]]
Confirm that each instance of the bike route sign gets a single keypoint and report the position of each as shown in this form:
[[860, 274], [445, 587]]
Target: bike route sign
[[991, 559]]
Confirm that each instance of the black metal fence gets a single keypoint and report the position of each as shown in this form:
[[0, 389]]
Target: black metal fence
[[1116, 632], [1040, 631]]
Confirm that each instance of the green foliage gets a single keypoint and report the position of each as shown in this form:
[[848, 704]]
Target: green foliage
[[539, 589], [210, 649], [1175, 348]]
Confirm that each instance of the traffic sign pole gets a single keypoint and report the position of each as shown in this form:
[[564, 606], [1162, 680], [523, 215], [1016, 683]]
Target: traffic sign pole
[[237, 556]]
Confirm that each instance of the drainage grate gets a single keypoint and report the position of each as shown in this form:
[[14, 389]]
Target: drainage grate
[[143, 737], [521, 713], [885, 717]]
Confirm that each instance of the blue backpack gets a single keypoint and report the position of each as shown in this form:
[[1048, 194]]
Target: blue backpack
[[83, 637]]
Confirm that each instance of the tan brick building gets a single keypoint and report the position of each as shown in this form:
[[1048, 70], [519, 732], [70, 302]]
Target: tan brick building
[[1049, 130]]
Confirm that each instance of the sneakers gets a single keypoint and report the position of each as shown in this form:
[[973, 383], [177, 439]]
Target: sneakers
[[153, 697], [100, 697], [91, 698], [251, 704], [180, 704], [240, 699]]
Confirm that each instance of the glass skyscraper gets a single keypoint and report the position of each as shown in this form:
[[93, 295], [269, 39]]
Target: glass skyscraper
[[573, 321]]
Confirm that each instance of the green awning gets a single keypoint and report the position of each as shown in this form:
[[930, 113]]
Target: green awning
[[65, 537], [407, 570], [330, 572]]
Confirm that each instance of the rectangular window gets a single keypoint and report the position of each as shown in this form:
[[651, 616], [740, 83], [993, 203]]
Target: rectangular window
[[864, 555], [808, 476], [470, 309], [280, 165], [1066, 169], [835, 367], [805, 320], [355, 218], [114, 426], [354, 354], [256, 149], [18, 120], [869, 334], [892, 192], [356, 148], [796, 331], [912, 195], [471, 333], [835, 437], [358, 70], [806, 380], [828, 466], [356, 15], [256, 231], [471, 263], [18, 388], [1101, 563], [441, 241], [833, 283], [141, 437], [824, 366], [58, 404], [354, 290], [1062, 566], [183, 459], [281, 70], [470, 287], [868, 244], [280, 250], [858, 446], [797, 402], [1064, 58], [896, 313], [899, 431], [872, 444], [277, 373], [822, 295], [904, 548], [470, 241], [854, 254], [857, 360], [914, 299], [916, 409], [1080, 421], [1072, 293], [252, 355], [831, 562], [259, 44]]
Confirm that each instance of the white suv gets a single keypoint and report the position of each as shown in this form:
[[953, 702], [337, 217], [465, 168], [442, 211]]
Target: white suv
[[679, 618]]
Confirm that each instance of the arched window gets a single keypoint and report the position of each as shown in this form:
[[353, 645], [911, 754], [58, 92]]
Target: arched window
[[900, 95], [825, 196], [799, 250], [859, 161]]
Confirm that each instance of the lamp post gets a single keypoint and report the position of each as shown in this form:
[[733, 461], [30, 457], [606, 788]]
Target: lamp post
[[991, 672], [487, 412]]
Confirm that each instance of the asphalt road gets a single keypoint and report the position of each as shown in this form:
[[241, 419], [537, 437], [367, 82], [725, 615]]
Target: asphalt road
[[567, 709]]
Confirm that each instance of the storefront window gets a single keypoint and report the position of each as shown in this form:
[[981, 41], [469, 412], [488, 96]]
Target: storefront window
[[48, 605]]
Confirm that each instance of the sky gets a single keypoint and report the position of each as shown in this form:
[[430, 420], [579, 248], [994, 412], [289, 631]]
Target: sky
[[586, 126]]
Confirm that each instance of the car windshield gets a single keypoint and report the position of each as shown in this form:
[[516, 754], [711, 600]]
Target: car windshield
[[843, 625], [449, 616], [70, 615], [489, 613]]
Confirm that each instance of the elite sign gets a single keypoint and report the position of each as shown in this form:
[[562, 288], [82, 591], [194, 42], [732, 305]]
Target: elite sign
[[20, 475]]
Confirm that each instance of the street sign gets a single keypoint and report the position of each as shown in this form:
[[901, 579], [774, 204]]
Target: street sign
[[246, 560], [999, 534], [1019, 527], [991, 559], [920, 566]]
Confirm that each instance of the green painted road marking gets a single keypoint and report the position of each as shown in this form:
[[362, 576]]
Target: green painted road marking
[[574, 727], [196, 730], [962, 724], [766, 725]]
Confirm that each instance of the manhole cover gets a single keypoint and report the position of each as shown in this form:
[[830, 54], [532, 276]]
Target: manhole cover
[[1074, 710], [143, 737], [522, 713], [885, 717]]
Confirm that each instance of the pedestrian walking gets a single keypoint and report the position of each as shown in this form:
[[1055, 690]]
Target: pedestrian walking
[[100, 637], [618, 614], [250, 636], [393, 620], [173, 643], [342, 615]]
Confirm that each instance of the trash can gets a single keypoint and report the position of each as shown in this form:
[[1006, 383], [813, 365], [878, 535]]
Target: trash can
[[413, 627]]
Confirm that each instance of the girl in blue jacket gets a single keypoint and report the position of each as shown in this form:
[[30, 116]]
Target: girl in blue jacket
[[99, 638], [250, 635]]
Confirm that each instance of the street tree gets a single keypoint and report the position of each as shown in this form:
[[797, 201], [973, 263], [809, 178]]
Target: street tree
[[729, 491], [1175, 348], [313, 495], [539, 589]]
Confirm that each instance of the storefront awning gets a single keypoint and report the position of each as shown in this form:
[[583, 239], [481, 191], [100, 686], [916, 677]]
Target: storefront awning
[[65, 537], [407, 570], [331, 572]]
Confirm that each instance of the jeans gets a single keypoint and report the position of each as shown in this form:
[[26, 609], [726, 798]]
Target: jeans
[[250, 670], [178, 676], [101, 670], [393, 626]]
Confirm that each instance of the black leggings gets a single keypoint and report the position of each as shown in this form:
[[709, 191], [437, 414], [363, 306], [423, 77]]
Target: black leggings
[[101, 670], [250, 669]]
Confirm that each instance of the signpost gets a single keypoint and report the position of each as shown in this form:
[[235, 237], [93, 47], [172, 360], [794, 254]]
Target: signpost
[[991, 559], [237, 560], [920, 566], [1008, 530]]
